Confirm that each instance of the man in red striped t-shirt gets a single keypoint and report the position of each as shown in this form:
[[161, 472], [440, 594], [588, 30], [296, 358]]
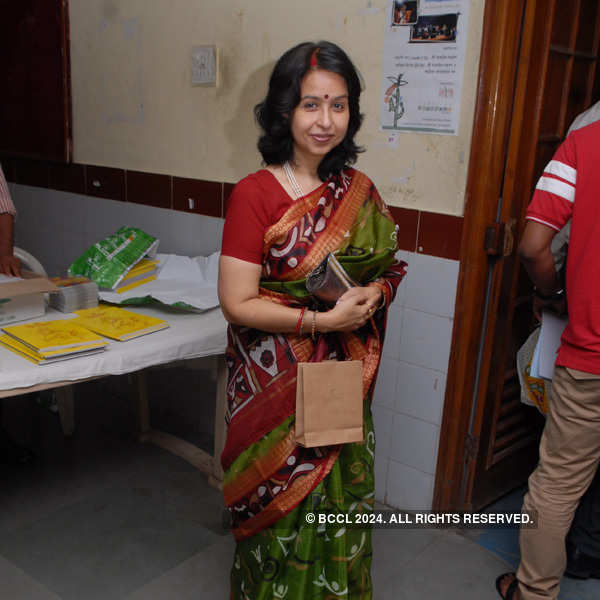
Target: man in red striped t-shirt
[[9, 264], [569, 188]]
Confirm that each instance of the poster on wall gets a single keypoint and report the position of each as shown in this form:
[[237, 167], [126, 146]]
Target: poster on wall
[[423, 65]]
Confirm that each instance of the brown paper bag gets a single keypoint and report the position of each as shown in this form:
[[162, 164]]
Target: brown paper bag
[[329, 403]]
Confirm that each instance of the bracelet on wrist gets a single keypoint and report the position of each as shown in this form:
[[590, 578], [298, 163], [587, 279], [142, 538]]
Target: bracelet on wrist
[[300, 323], [556, 295], [381, 287]]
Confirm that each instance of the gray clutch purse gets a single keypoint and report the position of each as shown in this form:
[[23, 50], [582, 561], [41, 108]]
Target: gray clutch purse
[[328, 281]]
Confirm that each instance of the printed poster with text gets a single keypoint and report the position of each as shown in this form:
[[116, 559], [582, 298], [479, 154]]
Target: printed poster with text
[[423, 65]]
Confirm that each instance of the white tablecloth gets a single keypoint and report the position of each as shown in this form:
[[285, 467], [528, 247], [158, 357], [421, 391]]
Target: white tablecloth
[[190, 335]]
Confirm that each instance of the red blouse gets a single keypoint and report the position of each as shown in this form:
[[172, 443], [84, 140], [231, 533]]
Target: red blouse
[[256, 202]]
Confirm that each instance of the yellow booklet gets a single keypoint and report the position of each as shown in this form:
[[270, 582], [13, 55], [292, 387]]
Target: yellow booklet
[[144, 266], [48, 357], [118, 323], [47, 336], [125, 288], [143, 272]]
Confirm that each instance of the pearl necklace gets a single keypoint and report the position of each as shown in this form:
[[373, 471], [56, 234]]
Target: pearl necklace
[[287, 168]]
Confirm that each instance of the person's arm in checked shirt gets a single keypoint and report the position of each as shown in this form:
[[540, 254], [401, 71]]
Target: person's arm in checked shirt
[[9, 263], [550, 209]]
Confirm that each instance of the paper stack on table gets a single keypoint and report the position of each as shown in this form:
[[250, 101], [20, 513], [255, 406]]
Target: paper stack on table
[[74, 293], [118, 323], [45, 342], [181, 282]]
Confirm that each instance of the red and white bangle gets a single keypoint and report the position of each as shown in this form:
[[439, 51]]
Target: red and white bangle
[[300, 323]]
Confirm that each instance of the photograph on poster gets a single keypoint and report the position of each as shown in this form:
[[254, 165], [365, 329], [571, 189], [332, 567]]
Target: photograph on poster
[[405, 12], [434, 28]]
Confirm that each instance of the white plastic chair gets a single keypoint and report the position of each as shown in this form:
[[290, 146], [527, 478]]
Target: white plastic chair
[[29, 262]]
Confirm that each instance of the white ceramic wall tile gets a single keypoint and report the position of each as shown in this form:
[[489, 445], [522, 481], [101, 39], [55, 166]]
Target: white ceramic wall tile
[[425, 340], [63, 211], [36, 242], [148, 218], [24, 202], [415, 443], [400, 298], [391, 345], [385, 387], [432, 287], [193, 235], [381, 472], [382, 422], [103, 217], [73, 245], [407, 488], [24, 234], [420, 392]]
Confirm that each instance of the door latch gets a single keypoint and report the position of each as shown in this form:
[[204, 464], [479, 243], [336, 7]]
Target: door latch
[[500, 238]]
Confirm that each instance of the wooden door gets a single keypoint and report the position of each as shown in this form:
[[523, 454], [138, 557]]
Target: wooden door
[[555, 76], [35, 103]]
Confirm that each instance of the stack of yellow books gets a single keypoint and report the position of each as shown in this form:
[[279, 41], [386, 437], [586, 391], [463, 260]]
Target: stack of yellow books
[[143, 272], [44, 342], [118, 323]]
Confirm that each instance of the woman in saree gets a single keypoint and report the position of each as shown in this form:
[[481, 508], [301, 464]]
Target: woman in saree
[[281, 222]]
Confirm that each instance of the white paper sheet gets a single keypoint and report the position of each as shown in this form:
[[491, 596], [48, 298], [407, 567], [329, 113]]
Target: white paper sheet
[[549, 342], [192, 281], [535, 360]]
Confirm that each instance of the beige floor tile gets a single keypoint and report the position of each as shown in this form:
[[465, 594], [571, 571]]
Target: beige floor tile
[[17, 585], [203, 576]]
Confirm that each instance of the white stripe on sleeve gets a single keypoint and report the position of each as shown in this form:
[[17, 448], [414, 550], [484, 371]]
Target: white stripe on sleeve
[[543, 222], [560, 169], [559, 188]]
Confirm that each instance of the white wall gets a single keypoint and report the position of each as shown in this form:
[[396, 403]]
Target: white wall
[[134, 106]]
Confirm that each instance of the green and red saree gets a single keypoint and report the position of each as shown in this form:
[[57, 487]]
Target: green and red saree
[[270, 482]]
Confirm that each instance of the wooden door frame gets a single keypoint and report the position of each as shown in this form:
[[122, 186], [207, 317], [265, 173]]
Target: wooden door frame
[[66, 81], [493, 113]]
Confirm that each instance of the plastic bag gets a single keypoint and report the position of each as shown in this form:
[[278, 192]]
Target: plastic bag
[[109, 260]]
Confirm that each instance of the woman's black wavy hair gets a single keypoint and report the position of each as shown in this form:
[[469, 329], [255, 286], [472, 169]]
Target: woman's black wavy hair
[[273, 114]]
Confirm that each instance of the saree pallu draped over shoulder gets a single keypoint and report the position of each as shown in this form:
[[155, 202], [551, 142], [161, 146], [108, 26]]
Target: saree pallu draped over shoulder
[[271, 483]]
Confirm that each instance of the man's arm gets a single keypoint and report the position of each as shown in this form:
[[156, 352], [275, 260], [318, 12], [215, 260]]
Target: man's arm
[[9, 263], [538, 261]]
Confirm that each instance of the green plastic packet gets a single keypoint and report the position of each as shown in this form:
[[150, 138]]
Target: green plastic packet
[[109, 260]]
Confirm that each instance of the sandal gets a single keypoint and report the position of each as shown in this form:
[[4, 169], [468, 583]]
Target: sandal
[[511, 589]]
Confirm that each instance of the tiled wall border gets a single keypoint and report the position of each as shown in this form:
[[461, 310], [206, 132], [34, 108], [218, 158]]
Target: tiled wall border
[[423, 232]]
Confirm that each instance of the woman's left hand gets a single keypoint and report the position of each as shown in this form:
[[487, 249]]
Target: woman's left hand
[[354, 308], [368, 297]]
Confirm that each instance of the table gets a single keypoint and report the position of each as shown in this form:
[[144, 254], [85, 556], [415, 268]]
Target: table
[[199, 336]]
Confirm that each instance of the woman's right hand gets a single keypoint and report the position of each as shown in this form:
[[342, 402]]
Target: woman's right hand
[[352, 310]]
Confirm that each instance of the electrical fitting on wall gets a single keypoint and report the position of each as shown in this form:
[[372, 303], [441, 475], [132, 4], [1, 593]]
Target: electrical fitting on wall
[[205, 65]]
